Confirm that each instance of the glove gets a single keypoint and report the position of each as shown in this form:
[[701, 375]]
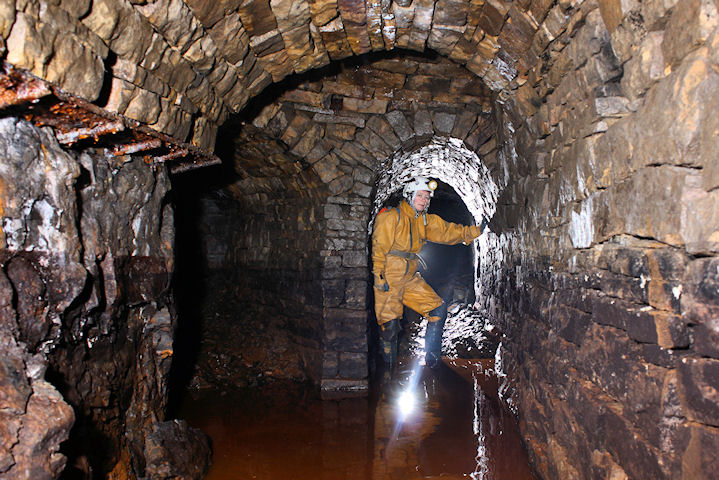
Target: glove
[[380, 283]]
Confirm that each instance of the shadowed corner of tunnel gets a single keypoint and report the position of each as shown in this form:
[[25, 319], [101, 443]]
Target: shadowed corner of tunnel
[[445, 262], [189, 284]]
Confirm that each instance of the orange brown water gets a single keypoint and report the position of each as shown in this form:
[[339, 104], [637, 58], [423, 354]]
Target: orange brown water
[[457, 429]]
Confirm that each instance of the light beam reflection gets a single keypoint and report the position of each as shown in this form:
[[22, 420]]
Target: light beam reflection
[[406, 403], [406, 400], [481, 469]]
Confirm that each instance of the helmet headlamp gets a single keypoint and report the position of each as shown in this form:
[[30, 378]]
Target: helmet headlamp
[[418, 184]]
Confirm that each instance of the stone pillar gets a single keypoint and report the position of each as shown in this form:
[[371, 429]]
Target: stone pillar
[[345, 289]]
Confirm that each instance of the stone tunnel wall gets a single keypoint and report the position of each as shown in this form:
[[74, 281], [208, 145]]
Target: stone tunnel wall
[[287, 261], [288, 281], [346, 125], [602, 270], [182, 67], [87, 321], [263, 298], [605, 245]]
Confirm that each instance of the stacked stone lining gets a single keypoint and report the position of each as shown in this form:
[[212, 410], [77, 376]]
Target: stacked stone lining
[[182, 67], [309, 162], [608, 254]]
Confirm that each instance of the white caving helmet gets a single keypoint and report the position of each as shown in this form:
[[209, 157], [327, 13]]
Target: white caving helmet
[[417, 184]]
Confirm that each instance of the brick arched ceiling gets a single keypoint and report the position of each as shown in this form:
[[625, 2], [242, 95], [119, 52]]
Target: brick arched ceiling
[[182, 67], [450, 161], [337, 128]]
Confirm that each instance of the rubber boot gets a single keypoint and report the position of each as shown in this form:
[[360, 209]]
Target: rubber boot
[[433, 337], [388, 334]]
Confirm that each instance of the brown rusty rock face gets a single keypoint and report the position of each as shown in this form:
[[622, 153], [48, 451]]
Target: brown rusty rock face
[[176, 450], [14, 389], [29, 289], [16, 88], [34, 419], [8, 317], [84, 318], [46, 424], [147, 278]]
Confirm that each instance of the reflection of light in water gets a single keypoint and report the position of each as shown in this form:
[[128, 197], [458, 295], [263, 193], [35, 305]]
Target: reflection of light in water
[[482, 469], [406, 403]]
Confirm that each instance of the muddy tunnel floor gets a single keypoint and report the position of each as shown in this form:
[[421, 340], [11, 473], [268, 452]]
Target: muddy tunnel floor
[[421, 423]]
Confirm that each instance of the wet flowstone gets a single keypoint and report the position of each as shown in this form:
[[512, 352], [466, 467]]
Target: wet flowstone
[[422, 423]]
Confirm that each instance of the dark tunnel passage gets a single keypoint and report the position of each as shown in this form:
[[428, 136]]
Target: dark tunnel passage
[[266, 426], [265, 241], [187, 198], [244, 247], [231, 349]]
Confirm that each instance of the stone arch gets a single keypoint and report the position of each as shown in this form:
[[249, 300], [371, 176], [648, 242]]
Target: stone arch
[[360, 114], [333, 158], [447, 159], [183, 67], [450, 161]]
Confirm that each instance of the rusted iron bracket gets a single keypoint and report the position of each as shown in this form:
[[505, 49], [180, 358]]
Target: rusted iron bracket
[[16, 89], [78, 123]]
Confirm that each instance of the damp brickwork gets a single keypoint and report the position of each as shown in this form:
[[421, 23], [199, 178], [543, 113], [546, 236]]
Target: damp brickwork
[[605, 257]]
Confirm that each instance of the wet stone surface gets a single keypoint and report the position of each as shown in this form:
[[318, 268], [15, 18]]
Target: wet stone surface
[[86, 320]]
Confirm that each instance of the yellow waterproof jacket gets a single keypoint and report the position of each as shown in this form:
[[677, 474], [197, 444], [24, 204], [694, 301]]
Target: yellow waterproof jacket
[[407, 232]]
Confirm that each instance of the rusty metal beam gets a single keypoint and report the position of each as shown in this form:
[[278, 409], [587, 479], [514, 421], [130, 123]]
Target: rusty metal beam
[[79, 123], [193, 164], [180, 153], [142, 146], [72, 136], [18, 87]]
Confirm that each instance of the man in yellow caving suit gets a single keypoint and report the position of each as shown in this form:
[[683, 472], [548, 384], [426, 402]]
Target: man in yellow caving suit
[[399, 234]]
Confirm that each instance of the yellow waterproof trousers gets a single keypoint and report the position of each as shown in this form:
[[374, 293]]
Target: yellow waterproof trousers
[[410, 290], [404, 231]]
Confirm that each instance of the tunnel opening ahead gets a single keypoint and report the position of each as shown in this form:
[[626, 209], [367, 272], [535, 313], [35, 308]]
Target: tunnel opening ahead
[[278, 236], [283, 232], [461, 397], [466, 195]]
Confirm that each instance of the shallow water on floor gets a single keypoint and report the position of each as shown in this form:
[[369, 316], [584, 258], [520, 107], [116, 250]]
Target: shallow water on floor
[[419, 424]]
